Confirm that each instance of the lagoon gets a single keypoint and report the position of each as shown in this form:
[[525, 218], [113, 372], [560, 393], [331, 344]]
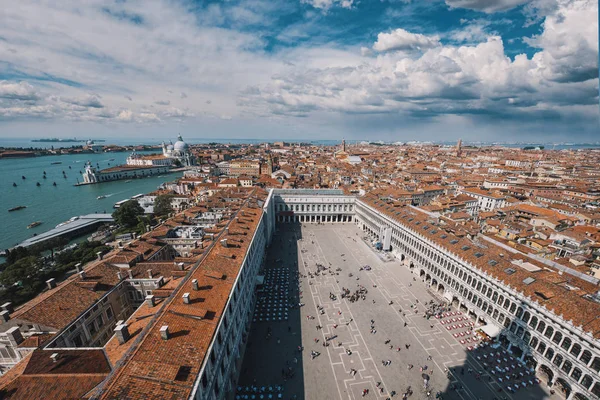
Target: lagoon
[[55, 204]]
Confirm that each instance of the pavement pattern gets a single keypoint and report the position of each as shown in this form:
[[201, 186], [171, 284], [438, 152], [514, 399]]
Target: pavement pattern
[[361, 355]]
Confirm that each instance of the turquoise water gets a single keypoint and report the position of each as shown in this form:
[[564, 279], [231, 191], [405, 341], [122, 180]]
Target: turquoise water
[[55, 204]]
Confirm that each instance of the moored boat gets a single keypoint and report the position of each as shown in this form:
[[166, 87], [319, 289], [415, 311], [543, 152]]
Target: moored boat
[[34, 224], [17, 208]]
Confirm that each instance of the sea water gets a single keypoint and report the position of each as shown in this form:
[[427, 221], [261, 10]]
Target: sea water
[[55, 204]]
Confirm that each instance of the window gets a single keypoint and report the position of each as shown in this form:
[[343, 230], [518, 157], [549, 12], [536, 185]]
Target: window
[[92, 328], [109, 313]]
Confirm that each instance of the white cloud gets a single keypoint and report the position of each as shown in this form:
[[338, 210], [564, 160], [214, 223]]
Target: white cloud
[[17, 91], [401, 39], [91, 65], [327, 4], [470, 79], [488, 6], [125, 116], [89, 100], [84, 48], [569, 42]]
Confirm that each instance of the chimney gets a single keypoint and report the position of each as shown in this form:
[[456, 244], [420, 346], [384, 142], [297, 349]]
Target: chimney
[[78, 267], [195, 284], [147, 228], [134, 236], [8, 307], [82, 274], [164, 332], [180, 266], [120, 244], [150, 273], [150, 300], [100, 255], [119, 276], [14, 336], [186, 299], [4, 316], [224, 242], [130, 274], [122, 333], [161, 281], [227, 230], [51, 283], [54, 357]]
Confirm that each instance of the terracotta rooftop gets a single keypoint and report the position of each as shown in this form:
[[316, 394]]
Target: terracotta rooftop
[[153, 369], [565, 292], [72, 375]]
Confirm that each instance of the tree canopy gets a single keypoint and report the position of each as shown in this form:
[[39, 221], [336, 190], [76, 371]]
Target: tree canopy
[[127, 214], [162, 205]]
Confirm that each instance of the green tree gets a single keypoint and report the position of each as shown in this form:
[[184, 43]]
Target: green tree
[[23, 271], [15, 254], [162, 205], [127, 215]]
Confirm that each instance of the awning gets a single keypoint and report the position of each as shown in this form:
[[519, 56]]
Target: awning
[[490, 330]]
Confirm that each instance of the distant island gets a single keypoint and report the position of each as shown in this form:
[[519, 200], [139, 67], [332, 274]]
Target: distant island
[[57, 140]]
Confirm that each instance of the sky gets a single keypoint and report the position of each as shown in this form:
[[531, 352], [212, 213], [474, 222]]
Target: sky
[[394, 70]]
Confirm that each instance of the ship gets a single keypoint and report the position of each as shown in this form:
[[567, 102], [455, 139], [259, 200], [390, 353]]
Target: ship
[[17, 208], [34, 224], [56, 163], [100, 197]]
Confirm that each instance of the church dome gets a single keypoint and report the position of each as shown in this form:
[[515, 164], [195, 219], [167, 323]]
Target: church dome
[[180, 145]]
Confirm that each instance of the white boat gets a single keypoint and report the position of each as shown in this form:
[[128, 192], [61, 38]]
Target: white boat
[[100, 197]]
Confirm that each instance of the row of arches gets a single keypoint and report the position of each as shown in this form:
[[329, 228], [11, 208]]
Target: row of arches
[[294, 218], [481, 295], [301, 207]]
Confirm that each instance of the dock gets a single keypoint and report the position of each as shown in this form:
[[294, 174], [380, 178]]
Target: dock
[[84, 224]]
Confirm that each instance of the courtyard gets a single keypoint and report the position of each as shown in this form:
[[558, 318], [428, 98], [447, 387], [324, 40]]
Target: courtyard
[[308, 341]]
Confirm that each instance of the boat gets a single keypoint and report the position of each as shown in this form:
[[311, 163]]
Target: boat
[[17, 208], [53, 183], [100, 197], [112, 159], [56, 163], [44, 176], [34, 224], [14, 184], [23, 177], [38, 184]]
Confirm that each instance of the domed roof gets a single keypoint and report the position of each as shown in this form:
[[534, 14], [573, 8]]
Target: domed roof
[[169, 147], [180, 145]]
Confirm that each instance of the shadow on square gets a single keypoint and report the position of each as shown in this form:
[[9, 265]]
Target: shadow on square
[[272, 365]]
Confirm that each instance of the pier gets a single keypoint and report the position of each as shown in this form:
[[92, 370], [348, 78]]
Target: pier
[[84, 224]]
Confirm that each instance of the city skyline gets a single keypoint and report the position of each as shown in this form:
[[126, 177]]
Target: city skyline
[[509, 70]]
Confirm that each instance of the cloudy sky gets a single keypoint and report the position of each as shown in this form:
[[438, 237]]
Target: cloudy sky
[[301, 69]]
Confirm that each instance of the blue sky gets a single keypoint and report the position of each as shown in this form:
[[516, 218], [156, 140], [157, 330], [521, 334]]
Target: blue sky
[[361, 69]]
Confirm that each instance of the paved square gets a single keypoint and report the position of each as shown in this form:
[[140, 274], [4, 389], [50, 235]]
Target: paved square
[[323, 260]]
